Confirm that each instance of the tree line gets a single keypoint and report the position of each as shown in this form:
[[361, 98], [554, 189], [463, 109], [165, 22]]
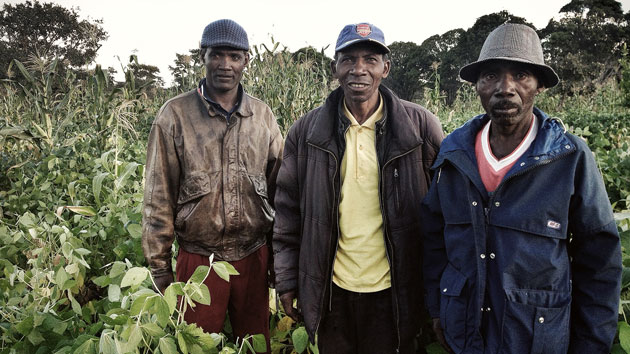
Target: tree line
[[585, 44]]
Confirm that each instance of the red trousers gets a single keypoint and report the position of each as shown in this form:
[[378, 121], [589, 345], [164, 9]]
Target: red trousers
[[245, 297]]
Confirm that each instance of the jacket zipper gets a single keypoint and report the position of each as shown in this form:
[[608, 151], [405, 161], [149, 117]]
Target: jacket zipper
[[396, 192], [334, 211], [390, 257]]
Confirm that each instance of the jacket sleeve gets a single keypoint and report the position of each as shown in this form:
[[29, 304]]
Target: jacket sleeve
[[160, 199], [434, 252], [274, 160], [595, 253], [287, 225]]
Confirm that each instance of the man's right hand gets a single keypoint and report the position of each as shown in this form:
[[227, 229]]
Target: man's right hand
[[287, 303], [439, 333], [162, 282]]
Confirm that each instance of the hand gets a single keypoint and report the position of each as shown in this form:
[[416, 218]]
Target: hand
[[162, 282], [439, 333], [287, 303]]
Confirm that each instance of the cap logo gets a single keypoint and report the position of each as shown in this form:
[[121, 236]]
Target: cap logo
[[363, 30]]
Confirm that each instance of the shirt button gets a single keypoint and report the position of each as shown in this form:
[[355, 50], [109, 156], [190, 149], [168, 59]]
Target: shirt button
[[492, 256], [360, 147], [496, 204], [360, 130], [566, 147], [444, 290], [541, 319], [522, 164], [487, 309], [474, 203], [537, 158], [482, 256]]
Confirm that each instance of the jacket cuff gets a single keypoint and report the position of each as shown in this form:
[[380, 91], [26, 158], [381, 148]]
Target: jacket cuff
[[283, 287]]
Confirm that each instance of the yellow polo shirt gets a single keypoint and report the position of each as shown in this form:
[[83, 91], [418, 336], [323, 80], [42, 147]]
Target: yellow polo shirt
[[360, 262]]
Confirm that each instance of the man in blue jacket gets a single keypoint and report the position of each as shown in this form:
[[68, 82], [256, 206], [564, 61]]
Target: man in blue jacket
[[521, 252]]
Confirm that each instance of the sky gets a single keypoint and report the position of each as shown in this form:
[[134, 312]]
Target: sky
[[155, 30]]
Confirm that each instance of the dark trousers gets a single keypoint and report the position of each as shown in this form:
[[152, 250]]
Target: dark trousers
[[246, 296], [359, 323]]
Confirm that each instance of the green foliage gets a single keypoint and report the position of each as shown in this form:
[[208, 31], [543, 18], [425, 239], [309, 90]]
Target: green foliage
[[407, 70], [50, 30], [290, 84], [601, 28]]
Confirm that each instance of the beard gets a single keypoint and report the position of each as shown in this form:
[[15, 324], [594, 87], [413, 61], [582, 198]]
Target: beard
[[505, 105]]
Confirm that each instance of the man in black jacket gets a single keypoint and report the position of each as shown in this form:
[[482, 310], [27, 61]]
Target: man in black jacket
[[347, 234]]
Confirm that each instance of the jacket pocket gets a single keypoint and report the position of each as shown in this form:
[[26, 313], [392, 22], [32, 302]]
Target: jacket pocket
[[453, 307], [260, 187], [191, 191], [536, 321]]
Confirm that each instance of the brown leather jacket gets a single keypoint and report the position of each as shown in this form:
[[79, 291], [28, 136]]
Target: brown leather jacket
[[208, 181]]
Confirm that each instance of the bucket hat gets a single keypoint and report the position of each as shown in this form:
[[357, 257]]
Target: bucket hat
[[512, 42], [361, 32]]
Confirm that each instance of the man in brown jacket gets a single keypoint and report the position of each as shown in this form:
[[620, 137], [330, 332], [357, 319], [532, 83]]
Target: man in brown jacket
[[347, 233], [212, 160]]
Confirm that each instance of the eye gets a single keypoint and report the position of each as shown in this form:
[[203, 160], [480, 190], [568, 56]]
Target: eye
[[489, 76], [236, 57], [522, 75]]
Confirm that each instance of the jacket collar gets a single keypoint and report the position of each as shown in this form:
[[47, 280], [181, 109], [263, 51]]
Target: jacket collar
[[459, 146], [243, 110], [397, 127]]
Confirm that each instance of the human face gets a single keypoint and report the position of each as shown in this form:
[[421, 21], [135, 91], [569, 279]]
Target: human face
[[360, 69], [224, 68], [507, 90]]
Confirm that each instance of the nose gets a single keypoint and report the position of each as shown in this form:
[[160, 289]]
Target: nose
[[505, 86], [224, 62], [358, 68]]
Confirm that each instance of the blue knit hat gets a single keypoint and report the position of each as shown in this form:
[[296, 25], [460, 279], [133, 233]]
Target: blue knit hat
[[224, 33]]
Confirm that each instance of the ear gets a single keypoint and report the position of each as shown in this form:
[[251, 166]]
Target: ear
[[388, 66], [246, 58], [333, 67]]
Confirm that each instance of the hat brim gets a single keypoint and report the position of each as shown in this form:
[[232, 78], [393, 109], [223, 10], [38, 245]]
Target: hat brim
[[362, 40], [470, 72]]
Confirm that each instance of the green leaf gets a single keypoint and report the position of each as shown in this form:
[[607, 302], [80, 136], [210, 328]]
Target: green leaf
[[624, 336], [97, 185], [25, 326], [199, 275], [61, 277], [118, 268], [138, 304], [221, 271], [170, 296], [135, 337], [135, 230], [135, 276], [82, 210], [182, 343], [152, 329], [167, 345], [435, 348], [161, 310], [107, 343], [87, 347], [129, 170], [113, 293], [75, 305], [260, 343], [300, 339]]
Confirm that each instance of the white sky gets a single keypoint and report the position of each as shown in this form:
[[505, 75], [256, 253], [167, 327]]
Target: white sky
[[156, 30]]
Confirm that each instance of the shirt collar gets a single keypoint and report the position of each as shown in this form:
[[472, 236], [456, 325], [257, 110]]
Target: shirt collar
[[201, 89], [370, 123]]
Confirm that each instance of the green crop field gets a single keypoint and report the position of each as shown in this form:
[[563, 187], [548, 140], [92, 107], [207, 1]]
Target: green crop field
[[73, 278]]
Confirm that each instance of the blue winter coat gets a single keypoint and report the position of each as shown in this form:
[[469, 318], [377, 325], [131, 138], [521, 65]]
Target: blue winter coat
[[533, 268]]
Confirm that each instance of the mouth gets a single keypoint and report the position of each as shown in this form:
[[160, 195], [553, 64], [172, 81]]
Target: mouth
[[359, 86]]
